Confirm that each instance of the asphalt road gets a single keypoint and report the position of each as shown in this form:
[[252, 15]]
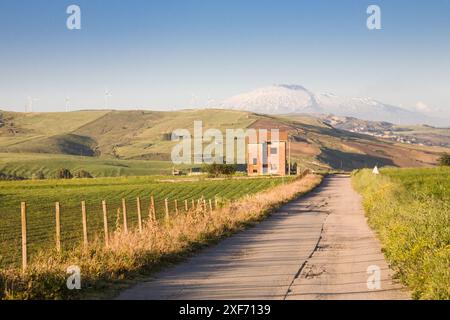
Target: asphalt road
[[315, 247]]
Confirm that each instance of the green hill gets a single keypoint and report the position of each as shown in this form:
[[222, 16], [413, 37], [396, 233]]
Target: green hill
[[137, 142]]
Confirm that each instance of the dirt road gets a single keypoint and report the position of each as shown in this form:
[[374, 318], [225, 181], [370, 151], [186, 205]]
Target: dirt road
[[316, 247]]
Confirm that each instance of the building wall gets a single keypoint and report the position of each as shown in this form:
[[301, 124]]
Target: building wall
[[262, 159]]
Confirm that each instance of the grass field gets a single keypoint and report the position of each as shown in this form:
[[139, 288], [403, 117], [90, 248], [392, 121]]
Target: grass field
[[42, 195], [25, 165], [410, 210]]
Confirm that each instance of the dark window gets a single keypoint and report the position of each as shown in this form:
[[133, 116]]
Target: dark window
[[273, 150], [255, 161], [255, 171]]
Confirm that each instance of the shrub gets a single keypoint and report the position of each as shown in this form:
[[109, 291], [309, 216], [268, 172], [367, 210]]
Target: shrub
[[217, 169], [64, 174], [39, 175], [83, 174], [444, 160], [10, 177]]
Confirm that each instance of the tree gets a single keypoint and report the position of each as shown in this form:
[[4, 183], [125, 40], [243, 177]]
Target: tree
[[444, 160], [64, 173], [217, 169], [83, 174]]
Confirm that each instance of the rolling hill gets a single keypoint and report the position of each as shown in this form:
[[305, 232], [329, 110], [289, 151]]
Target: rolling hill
[[112, 143]]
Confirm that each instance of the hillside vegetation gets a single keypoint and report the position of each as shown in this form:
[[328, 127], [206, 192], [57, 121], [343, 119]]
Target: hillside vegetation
[[410, 210], [96, 137]]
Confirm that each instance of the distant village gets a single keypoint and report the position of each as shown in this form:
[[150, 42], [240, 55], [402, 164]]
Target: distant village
[[384, 130]]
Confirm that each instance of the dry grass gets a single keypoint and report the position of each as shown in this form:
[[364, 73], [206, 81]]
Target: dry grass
[[135, 253]]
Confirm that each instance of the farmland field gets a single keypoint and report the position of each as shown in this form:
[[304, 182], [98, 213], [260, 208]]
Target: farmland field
[[42, 195], [410, 210], [26, 164]]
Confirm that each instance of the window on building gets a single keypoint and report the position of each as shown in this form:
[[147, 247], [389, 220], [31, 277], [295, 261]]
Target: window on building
[[255, 161], [255, 171], [273, 150]]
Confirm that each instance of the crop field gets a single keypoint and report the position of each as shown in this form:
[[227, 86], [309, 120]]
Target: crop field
[[26, 164], [41, 196], [410, 210]]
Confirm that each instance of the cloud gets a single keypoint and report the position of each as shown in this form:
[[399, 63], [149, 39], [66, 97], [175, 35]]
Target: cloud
[[424, 108]]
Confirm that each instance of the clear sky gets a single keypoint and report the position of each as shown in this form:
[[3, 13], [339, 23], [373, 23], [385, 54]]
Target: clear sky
[[181, 53]]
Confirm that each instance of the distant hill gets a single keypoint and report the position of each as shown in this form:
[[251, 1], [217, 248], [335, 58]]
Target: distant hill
[[142, 138], [418, 134], [283, 99]]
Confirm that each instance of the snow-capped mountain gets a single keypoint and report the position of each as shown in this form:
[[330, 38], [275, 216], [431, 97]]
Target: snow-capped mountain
[[284, 99]]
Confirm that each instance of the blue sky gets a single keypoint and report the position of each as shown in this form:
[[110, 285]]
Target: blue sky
[[181, 53]]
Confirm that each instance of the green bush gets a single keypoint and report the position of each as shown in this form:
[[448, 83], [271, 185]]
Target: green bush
[[82, 174], [64, 174], [217, 169], [10, 177], [444, 160]]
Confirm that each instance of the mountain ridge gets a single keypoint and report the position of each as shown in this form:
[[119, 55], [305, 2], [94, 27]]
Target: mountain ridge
[[293, 98]]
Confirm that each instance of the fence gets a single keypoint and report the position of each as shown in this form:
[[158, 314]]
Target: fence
[[123, 218]]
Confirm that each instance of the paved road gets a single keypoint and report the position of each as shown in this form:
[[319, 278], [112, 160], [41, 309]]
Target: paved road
[[316, 247]]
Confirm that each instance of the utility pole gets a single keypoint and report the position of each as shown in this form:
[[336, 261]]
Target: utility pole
[[289, 155]]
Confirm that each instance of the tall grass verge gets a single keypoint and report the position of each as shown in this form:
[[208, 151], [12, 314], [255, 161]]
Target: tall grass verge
[[134, 253], [413, 225]]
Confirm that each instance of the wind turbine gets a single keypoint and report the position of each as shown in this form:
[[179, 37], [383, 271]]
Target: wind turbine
[[67, 104], [107, 95], [29, 107], [193, 100], [210, 102]]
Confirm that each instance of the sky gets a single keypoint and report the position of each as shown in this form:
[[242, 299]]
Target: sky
[[175, 54]]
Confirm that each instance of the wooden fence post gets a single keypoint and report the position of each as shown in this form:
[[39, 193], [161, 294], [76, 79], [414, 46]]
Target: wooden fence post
[[215, 202], [124, 210], [204, 206], [167, 209], [138, 203], [105, 222], [84, 220], [176, 206], [193, 204], [23, 212], [153, 208], [150, 210], [186, 208], [58, 226], [210, 206]]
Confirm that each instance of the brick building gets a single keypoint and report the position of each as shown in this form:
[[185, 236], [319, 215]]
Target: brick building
[[266, 154]]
